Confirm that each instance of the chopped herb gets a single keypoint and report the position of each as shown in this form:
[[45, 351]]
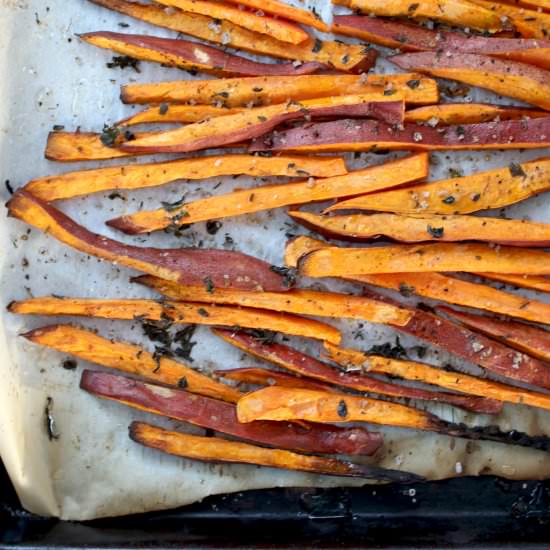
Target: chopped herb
[[69, 364], [420, 351], [389, 91], [317, 46], [476, 197], [304, 173], [129, 135], [266, 337], [414, 83], [123, 62], [51, 428], [212, 227], [182, 383], [288, 274], [58, 127], [116, 195], [257, 89], [183, 338], [159, 353], [516, 170], [209, 285], [455, 91], [157, 331], [342, 409], [109, 135], [449, 200], [228, 241], [202, 312], [171, 206], [396, 351], [406, 290], [345, 59], [454, 173], [412, 8], [435, 232], [8, 187], [163, 108], [262, 118], [123, 25]]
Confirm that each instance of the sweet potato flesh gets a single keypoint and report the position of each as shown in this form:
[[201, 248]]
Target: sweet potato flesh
[[481, 191], [256, 199], [542, 284], [139, 176], [186, 114], [299, 301], [178, 312], [129, 358], [426, 374], [266, 90]]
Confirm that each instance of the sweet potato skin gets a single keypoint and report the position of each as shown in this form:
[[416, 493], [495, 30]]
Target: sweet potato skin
[[129, 358], [225, 268], [306, 365], [191, 55], [139, 176], [220, 416], [391, 174]]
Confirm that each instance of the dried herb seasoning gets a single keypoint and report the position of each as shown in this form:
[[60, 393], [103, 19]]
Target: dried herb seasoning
[[435, 232], [123, 62], [391, 351]]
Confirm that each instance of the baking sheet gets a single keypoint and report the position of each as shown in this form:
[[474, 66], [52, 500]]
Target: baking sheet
[[93, 469]]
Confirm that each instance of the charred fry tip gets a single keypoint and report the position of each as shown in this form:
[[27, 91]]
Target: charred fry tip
[[34, 334], [125, 225], [13, 306]]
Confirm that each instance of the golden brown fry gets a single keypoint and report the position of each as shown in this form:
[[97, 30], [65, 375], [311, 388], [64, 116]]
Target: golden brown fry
[[166, 113], [542, 284]]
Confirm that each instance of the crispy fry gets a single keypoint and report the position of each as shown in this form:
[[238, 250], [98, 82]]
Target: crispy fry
[[456, 381], [139, 176], [210, 449], [223, 267], [391, 174], [177, 312], [305, 365], [87, 345], [413, 229], [491, 189], [276, 28], [267, 90], [542, 284], [222, 417], [298, 301]]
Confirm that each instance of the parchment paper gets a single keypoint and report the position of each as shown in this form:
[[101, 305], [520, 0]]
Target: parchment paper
[[93, 470]]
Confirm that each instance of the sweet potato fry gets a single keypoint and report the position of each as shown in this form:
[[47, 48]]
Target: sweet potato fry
[[251, 123], [542, 284], [371, 135], [458, 13], [456, 381], [278, 403], [191, 56], [215, 449], [165, 113], [86, 344], [532, 340], [305, 365], [346, 262], [140, 176], [544, 5], [299, 246], [223, 267], [491, 189], [298, 301], [245, 201], [264, 24], [222, 417], [177, 312], [269, 90], [510, 78], [344, 57], [474, 347], [469, 113], [431, 227]]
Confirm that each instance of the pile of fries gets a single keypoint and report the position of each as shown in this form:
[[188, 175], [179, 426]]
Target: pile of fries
[[277, 118]]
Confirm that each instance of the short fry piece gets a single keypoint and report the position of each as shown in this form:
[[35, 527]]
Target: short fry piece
[[269, 90], [456, 381], [129, 358], [491, 189], [347, 262], [139, 176], [178, 312], [224, 268], [246, 201], [531, 340], [208, 449], [222, 417], [413, 229], [542, 284], [298, 301], [191, 56]]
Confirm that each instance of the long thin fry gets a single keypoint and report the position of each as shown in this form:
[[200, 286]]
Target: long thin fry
[[542, 284], [166, 113]]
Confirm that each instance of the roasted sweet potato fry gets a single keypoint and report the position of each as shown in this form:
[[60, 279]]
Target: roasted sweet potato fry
[[306, 365], [139, 176], [215, 449], [542, 284], [426, 374], [278, 403], [491, 189], [510, 78], [166, 113], [250, 123], [263, 24], [222, 417], [474, 347], [469, 113], [300, 301], [457, 13], [268, 90], [371, 135], [298, 247], [191, 56], [86, 344], [344, 57], [178, 312], [347, 262], [222, 267], [245, 201], [532, 340], [431, 227]]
